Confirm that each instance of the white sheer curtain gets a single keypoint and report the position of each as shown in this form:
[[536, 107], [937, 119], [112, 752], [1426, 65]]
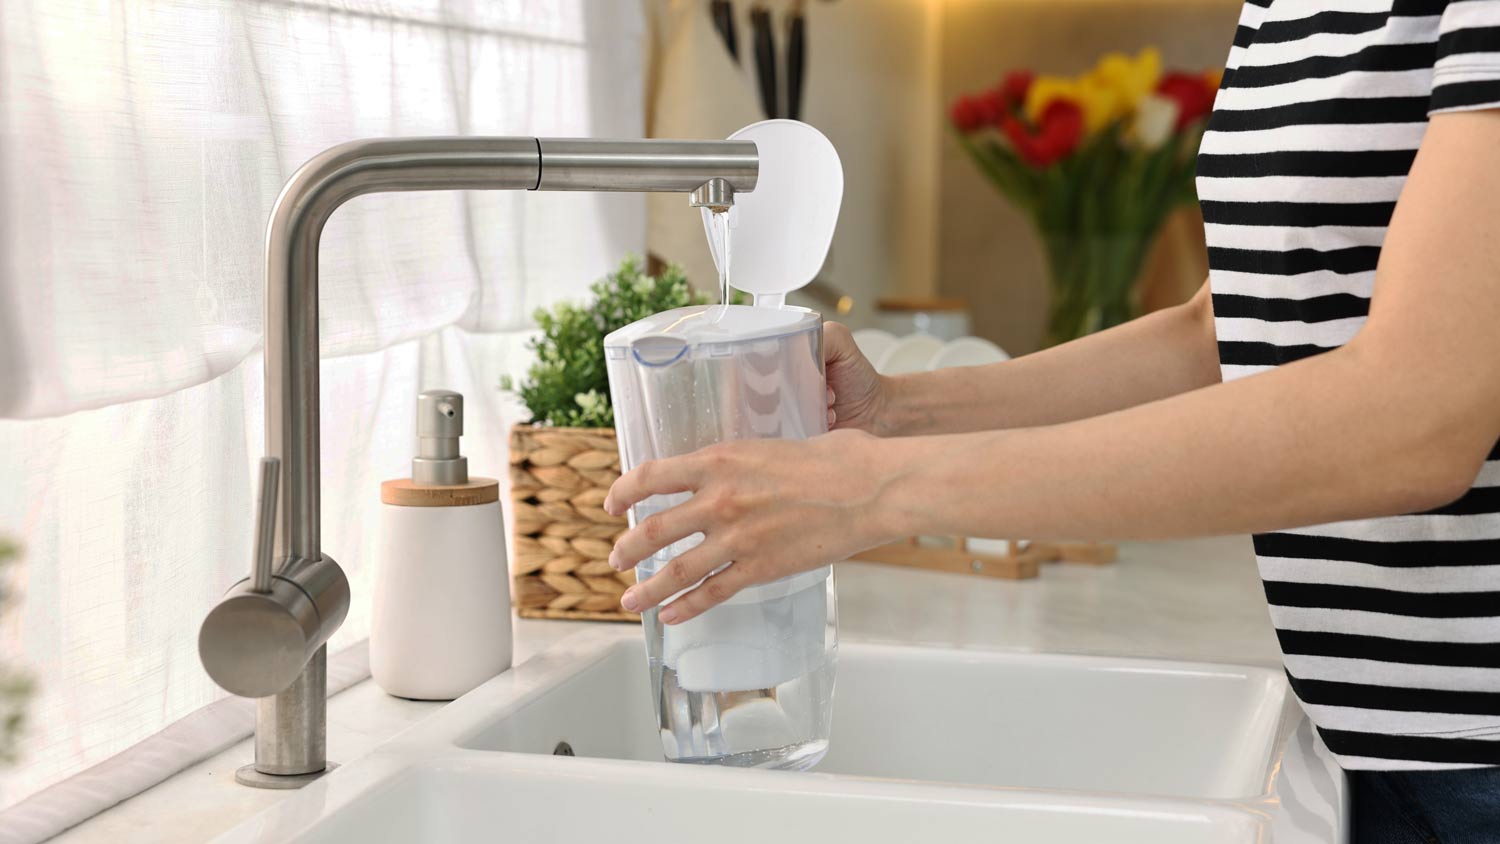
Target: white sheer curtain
[[142, 143]]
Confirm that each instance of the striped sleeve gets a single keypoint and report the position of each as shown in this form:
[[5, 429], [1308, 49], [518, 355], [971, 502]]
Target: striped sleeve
[[1467, 73]]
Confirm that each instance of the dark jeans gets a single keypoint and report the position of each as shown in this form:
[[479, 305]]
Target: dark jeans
[[1426, 807]]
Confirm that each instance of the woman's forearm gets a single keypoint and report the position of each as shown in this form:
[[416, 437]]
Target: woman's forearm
[[1331, 438], [1156, 356]]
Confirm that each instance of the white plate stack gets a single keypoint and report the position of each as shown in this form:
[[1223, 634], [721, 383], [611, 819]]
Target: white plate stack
[[893, 355]]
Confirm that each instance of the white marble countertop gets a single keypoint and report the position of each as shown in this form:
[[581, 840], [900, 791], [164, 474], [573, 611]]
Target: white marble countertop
[[1194, 600]]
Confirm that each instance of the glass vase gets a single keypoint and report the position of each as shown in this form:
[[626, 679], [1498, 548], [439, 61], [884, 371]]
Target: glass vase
[[1092, 276]]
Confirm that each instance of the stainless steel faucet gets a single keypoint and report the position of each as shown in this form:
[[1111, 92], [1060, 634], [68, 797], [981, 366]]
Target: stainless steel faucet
[[266, 638]]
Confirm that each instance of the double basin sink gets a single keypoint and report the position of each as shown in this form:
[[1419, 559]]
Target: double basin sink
[[928, 744]]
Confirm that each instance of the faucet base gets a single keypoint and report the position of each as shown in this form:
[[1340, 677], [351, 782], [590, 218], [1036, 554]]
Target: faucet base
[[248, 775]]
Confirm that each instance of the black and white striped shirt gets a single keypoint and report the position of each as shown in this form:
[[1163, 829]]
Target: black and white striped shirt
[[1391, 626]]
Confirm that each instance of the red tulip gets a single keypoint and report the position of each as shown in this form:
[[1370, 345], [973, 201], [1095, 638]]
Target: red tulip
[[1015, 85], [992, 106], [967, 114], [1191, 94], [1057, 135]]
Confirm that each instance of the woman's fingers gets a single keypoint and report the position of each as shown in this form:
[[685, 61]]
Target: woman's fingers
[[655, 533], [683, 571], [709, 594], [656, 477]]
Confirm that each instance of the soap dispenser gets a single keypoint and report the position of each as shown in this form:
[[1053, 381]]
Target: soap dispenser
[[442, 587]]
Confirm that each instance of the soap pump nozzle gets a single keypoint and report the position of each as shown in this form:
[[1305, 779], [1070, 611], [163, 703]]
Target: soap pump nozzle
[[440, 422]]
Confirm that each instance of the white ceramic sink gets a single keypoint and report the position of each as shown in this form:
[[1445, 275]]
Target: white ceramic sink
[[928, 744], [1024, 720]]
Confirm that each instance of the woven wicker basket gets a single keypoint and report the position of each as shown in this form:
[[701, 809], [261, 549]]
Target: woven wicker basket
[[558, 480]]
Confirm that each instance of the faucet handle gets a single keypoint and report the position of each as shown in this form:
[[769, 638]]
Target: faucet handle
[[265, 525], [257, 639]]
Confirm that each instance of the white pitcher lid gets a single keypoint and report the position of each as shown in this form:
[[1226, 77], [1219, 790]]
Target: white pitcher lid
[[781, 231], [660, 338]]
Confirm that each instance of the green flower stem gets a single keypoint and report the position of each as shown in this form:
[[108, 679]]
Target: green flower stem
[[1093, 280]]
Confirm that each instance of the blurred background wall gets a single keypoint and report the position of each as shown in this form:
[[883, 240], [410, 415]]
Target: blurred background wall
[[918, 220]]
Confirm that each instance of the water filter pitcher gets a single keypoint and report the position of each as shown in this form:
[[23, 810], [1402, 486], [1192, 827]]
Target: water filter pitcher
[[749, 682]]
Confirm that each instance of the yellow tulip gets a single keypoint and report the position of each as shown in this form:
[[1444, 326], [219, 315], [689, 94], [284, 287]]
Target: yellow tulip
[[1132, 79], [1102, 104], [1114, 68]]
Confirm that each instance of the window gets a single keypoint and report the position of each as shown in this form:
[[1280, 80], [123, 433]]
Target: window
[[142, 143]]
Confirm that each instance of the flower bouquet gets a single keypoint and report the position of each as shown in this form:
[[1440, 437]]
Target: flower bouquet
[[1097, 162]]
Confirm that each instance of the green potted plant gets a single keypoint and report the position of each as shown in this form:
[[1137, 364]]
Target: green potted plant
[[564, 460], [15, 686]]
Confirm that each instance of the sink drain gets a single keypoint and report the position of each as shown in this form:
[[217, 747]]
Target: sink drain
[[562, 749]]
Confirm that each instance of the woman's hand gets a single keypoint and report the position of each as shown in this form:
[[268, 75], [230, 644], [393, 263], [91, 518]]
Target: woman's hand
[[772, 507], [857, 394]]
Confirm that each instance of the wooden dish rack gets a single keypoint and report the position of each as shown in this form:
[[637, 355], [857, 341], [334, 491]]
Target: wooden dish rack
[[1022, 560]]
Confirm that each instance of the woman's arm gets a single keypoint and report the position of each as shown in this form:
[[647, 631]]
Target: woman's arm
[[1399, 419], [1165, 353]]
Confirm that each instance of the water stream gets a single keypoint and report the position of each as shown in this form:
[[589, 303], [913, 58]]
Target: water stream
[[719, 247]]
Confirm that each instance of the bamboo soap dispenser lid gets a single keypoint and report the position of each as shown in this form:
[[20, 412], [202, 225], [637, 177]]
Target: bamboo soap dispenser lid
[[439, 473]]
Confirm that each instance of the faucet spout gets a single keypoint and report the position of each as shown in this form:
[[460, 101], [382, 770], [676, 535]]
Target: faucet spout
[[309, 594], [717, 195]]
